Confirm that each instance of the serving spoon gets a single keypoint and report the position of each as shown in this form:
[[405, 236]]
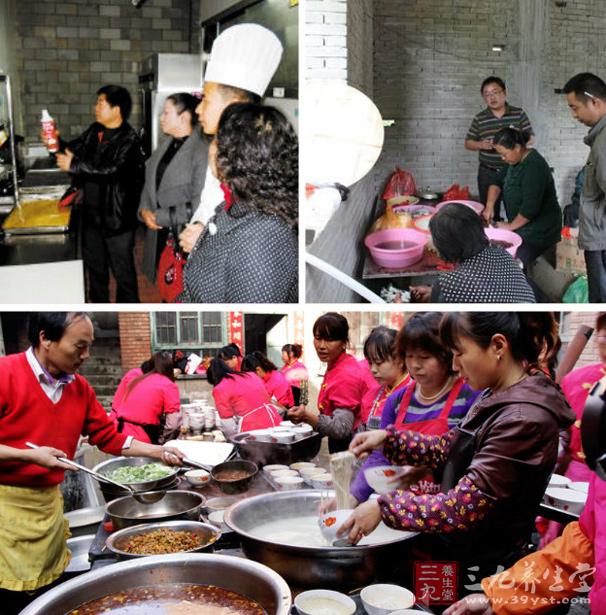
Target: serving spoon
[[143, 497]]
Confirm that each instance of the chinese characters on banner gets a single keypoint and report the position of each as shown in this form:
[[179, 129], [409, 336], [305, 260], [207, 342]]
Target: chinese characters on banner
[[436, 582], [235, 331]]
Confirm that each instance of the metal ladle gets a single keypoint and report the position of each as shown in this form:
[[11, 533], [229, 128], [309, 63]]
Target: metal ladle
[[143, 497]]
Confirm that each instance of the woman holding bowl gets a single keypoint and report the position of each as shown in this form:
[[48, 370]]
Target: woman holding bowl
[[496, 464]]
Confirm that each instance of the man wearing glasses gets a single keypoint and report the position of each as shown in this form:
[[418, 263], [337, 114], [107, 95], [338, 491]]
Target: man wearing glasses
[[497, 115], [586, 97]]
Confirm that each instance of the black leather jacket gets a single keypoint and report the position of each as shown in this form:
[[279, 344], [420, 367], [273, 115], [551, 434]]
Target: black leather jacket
[[111, 175]]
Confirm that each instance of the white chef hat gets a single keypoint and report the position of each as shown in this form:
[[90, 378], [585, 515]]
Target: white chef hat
[[245, 56]]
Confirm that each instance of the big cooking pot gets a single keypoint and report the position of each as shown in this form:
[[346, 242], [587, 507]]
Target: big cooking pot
[[232, 573], [345, 567]]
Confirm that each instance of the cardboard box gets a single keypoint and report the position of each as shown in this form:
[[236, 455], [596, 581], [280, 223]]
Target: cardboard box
[[569, 258]]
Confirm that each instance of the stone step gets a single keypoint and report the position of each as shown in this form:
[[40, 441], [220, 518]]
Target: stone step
[[103, 370], [101, 360], [103, 380], [104, 391]]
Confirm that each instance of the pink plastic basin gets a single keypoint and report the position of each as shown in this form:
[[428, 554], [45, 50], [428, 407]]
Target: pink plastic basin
[[477, 207], [499, 234], [386, 247]]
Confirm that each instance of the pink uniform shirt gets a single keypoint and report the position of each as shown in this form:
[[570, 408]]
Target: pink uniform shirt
[[244, 395], [277, 386], [121, 390], [147, 401], [294, 373], [344, 386]]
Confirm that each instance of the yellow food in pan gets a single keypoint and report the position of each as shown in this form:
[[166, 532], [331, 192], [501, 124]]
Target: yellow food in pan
[[34, 214]]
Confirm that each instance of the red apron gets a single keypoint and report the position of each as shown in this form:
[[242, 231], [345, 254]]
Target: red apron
[[374, 417], [430, 427]]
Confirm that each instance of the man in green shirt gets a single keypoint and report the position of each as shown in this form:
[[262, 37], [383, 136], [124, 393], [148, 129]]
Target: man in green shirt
[[497, 115]]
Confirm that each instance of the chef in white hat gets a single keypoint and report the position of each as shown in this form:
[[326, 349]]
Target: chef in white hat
[[242, 62]]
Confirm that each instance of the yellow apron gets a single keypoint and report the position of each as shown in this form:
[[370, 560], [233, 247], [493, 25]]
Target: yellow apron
[[33, 534]]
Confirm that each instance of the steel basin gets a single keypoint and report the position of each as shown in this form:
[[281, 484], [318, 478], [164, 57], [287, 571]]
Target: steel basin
[[126, 511], [111, 492], [232, 573], [208, 535], [346, 568]]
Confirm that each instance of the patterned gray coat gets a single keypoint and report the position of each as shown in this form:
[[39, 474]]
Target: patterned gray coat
[[250, 258], [181, 183]]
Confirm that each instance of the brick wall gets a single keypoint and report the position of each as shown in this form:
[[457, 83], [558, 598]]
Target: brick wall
[[67, 50], [326, 39], [431, 57], [135, 338], [572, 323]]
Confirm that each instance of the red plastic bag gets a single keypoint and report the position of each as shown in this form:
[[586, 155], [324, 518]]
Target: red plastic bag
[[401, 183], [456, 193]]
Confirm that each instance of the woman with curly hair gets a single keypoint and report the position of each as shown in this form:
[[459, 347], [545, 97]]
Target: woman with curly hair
[[248, 251]]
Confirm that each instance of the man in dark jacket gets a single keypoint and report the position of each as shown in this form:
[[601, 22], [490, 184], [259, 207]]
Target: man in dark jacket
[[107, 163]]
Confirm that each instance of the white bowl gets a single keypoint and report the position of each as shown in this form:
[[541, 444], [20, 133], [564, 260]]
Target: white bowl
[[286, 483], [335, 603], [381, 478], [384, 598], [274, 467], [312, 471], [260, 435], [302, 428], [405, 612], [579, 486], [283, 437], [220, 503], [321, 481], [287, 424], [198, 478], [568, 500], [557, 480], [283, 473], [330, 522], [300, 465]]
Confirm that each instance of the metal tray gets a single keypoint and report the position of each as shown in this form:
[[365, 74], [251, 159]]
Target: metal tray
[[264, 453]]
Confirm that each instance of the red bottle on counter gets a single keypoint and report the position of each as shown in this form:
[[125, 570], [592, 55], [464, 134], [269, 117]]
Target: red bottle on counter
[[49, 130]]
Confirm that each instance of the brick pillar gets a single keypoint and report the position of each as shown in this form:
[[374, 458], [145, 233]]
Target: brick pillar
[[135, 338]]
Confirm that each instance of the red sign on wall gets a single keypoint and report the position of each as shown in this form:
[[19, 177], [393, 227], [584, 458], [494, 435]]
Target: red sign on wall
[[235, 332]]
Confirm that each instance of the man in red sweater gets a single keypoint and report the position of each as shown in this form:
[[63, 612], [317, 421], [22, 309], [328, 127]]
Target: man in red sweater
[[44, 401]]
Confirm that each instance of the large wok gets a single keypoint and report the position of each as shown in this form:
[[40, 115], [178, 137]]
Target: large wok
[[346, 567], [232, 573]]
